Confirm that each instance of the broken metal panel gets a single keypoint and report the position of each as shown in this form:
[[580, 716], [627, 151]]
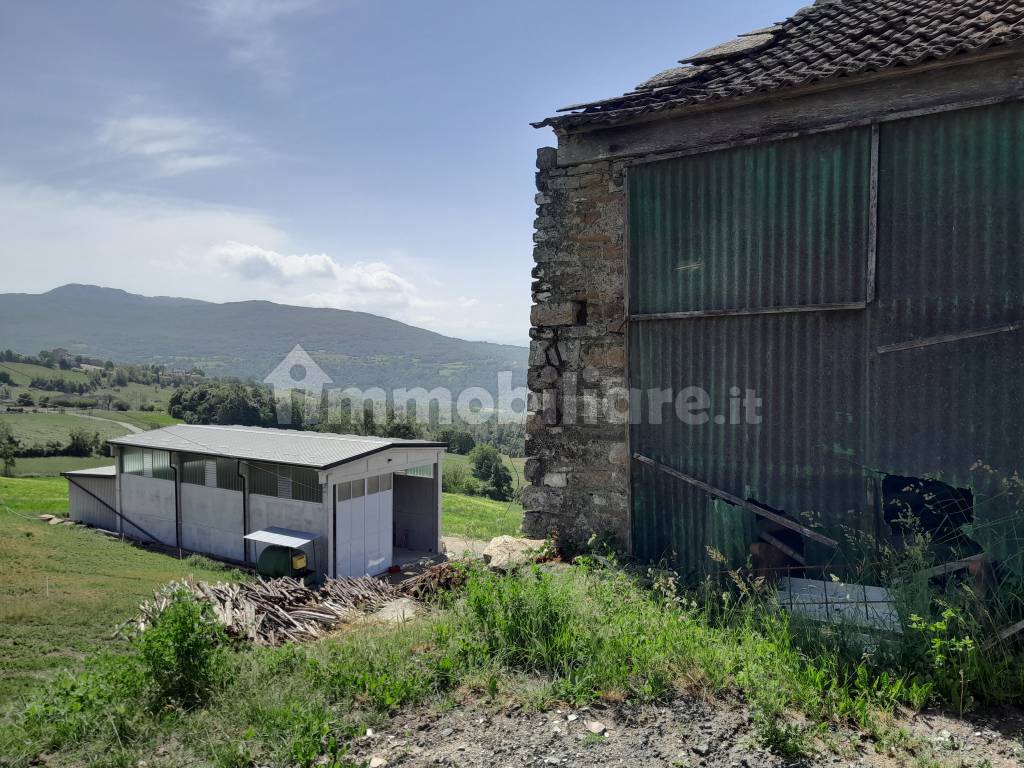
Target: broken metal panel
[[941, 410], [782, 224], [683, 521]]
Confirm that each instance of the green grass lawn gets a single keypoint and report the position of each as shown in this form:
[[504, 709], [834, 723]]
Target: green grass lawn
[[54, 465], [64, 590], [480, 518], [477, 517], [32, 428], [33, 496]]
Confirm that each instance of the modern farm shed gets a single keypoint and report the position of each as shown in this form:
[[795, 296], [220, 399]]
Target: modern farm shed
[[361, 503], [826, 215]]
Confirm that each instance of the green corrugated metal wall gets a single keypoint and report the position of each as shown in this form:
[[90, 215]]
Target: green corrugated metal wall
[[951, 223], [787, 224], [772, 225]]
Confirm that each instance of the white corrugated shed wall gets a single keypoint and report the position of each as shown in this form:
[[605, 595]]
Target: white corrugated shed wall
[[86, 509]]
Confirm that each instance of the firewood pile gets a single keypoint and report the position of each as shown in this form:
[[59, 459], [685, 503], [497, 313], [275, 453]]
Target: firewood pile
[[442, 577], [273, 612]]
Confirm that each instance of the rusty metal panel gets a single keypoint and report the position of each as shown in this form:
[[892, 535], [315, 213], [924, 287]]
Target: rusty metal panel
[[773, 225], [948, 367]]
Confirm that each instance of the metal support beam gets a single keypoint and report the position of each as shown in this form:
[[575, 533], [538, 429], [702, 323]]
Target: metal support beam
[[736, 501]]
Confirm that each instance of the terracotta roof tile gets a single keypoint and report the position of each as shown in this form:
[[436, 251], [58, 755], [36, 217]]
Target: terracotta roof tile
[[832, 38]]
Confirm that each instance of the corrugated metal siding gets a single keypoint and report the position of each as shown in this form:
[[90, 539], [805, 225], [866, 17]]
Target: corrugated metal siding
[[951, 231], [776, 225], [803, 458], [86, 509], [837, 413], [771, 225]]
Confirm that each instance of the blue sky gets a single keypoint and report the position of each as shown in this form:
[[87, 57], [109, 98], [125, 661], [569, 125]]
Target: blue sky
[[371, 155]]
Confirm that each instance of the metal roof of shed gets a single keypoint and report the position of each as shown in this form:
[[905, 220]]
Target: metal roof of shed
[[283, 537], [108, 471], [282, 446]]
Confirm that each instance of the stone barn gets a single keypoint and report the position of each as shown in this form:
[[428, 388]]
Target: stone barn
[[778, 294]]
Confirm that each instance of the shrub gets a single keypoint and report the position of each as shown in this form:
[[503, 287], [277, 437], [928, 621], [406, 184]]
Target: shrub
[[100, 702], [378, 671], [182, 652], [590, 632], [453, 479]]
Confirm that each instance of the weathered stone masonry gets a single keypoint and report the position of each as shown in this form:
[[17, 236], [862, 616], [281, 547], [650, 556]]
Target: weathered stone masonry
[[576, 429]]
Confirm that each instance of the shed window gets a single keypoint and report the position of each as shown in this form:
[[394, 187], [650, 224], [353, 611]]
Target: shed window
[[353, 489], [146, 462], [212, 472], [285, 482], [426, 470], [343, 491]]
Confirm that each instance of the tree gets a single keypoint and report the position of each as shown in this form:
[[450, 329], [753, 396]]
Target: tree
[[216, 402], [490, 469], [25, 400], [9, 446], [401, 429], [459, 440], [5, 378], [369, 418], [83, 443], [483, 458], [499, 487]]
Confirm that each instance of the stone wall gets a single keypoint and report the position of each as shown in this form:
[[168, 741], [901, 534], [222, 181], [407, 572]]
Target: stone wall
[[578, 467]]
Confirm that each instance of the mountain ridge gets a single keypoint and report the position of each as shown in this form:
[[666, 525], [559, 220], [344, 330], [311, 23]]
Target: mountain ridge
[[247, 339]]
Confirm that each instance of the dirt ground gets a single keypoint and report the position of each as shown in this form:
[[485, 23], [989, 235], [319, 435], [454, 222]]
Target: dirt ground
[[688, 732]]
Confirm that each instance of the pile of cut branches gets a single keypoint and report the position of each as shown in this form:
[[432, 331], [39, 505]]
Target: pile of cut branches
[[271, 612]]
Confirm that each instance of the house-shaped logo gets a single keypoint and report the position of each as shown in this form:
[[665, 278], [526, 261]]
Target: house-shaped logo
[[298, 371]]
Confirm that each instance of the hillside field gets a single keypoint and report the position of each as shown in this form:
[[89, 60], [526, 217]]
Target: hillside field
[[39, 428], [64, 590]]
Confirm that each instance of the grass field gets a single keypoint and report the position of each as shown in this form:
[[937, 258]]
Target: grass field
[[38, 428], [54, 465], [35, 495], [64, 590], [23, 373], [480, 518]]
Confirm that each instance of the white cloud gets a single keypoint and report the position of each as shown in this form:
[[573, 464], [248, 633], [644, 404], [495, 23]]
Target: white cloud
[[250, 28], [161, 246], [370, 285], [171, 146], [255, 263]]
